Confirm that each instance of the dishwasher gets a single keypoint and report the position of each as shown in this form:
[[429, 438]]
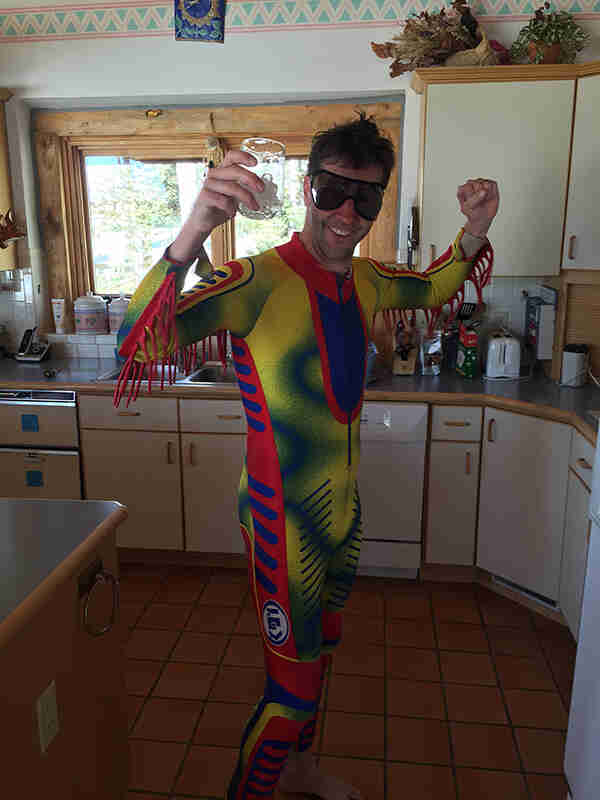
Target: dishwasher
[[39, 444]]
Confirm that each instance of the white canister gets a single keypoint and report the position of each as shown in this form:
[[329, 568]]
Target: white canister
[[90, 314], [574, 365], [116, 312]]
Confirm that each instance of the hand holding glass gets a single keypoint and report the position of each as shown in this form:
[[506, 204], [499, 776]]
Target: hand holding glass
[[270, 157]]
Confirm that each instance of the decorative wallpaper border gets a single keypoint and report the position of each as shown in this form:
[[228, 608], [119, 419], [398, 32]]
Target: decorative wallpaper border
[[151, 18]]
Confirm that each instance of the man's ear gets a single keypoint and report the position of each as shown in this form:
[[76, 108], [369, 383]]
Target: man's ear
[[307, 192]]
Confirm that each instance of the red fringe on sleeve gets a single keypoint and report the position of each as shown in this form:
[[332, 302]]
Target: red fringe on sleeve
[[479, 277], [156, 324]]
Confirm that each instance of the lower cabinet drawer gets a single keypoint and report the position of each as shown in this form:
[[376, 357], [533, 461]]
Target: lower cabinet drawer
[[456, 423], [212, 416], [389, 555], [147, 413]]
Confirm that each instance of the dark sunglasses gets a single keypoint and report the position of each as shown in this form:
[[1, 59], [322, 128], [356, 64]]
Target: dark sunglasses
[[329, 191]]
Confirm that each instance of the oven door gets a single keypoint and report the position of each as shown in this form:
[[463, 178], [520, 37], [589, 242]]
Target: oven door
[[33, 474]]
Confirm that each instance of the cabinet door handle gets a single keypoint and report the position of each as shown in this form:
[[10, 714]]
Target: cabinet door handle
[[457, 423], [572, 247], [101, 577], [491, 437], [432, 251], [581, 462], [192, 451], [169, 452], [128, 413], [229, 416], [468, 463]]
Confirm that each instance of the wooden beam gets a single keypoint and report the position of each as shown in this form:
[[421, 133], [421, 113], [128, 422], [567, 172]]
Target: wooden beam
[[52, 222], [503, 72], [265, 120]]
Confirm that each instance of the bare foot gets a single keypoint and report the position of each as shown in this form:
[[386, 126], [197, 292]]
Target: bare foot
[[302, 776]]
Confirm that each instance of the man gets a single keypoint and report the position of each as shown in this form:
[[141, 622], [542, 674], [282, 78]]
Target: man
[[299, 317]]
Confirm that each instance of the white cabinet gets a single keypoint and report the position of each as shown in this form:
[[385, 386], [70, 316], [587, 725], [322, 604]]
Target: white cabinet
[[132, 455], [575, 550], [142, 471], [496, 130], [212, 464], [390, 483], [213, 443], [453, 485], [523, 494], [582, 229]]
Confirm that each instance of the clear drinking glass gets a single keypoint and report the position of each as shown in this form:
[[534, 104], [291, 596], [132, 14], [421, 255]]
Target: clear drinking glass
[[270, 168]]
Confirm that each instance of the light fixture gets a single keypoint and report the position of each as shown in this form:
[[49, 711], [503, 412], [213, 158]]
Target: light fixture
[[9, 230]]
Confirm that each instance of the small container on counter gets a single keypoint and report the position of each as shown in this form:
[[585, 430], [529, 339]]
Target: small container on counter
[[430, 352], [575, 365], [116, 312], [58, 312], [91, 316], [467, 357]]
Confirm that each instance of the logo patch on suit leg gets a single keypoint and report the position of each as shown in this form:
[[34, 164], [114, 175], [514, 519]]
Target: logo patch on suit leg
[[275, 623]]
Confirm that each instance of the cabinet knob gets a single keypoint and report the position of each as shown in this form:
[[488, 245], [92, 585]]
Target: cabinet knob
[[192, 455], [468, 463], [491, 427], [457, 423], [581, 462], [128, 413], [229, 416], [572, 247]]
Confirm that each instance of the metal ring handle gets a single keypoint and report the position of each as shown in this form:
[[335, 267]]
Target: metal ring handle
[[102, 577]]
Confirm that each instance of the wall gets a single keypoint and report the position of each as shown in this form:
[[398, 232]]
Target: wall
[[124, 54]]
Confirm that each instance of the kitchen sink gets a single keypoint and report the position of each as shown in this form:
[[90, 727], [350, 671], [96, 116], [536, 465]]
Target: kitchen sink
[[113, 375], [207, 375], [210, 375]]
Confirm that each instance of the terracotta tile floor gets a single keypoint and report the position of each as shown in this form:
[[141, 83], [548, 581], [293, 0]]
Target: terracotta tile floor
[[438, 691]]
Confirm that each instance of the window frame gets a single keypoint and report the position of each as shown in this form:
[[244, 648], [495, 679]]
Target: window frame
[[62, 139]]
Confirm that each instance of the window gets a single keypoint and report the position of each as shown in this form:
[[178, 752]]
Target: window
[[90, 163], [254, 236], [136, 209]]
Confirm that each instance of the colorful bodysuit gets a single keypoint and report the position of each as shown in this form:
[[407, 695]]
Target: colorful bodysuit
[[299, 338]]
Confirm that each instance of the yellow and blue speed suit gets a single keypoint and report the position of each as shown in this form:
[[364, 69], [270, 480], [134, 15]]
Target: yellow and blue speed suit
[[299, 338]]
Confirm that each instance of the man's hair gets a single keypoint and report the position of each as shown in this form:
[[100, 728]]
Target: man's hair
[[357, 143]]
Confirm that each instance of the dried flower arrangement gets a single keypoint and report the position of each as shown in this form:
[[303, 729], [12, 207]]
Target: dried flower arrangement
[[435, 38]]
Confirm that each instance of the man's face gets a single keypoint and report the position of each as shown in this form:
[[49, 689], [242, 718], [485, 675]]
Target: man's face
[[333, 235]]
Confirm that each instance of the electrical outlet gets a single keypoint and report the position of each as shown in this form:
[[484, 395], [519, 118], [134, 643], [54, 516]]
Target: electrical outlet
[[47, 715]]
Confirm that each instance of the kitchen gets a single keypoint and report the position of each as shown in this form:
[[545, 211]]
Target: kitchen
[[280, 74]]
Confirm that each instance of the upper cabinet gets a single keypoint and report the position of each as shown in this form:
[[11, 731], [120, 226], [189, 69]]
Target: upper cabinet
[[8, 255], [517, 132], [581, 248]]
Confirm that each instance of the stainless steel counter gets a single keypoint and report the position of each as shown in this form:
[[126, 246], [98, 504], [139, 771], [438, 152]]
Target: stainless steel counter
[[36, 536], [68, 370], [538, 391]]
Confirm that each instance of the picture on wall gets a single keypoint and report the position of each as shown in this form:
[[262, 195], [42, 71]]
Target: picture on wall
[[200, 20]]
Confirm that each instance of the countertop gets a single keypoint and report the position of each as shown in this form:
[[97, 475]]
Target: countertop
[[538, 394], [39, 536]]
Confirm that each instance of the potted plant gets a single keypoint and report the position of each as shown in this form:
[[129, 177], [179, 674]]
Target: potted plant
[[550, 37]]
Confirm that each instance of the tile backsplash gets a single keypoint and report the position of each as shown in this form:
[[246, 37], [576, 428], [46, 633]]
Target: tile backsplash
[[505, 301], [503, 297], [72, 345]]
